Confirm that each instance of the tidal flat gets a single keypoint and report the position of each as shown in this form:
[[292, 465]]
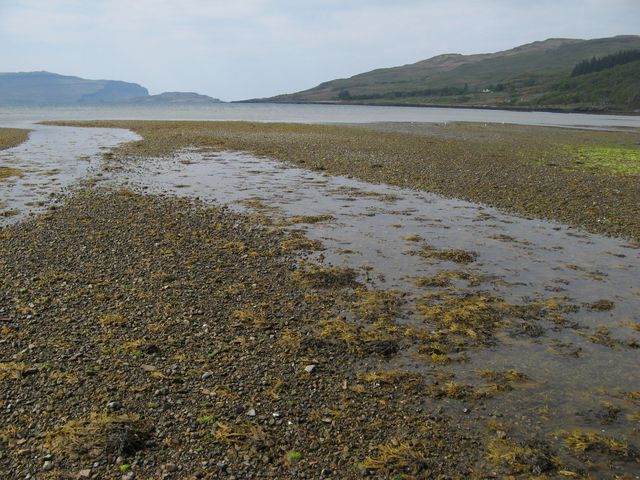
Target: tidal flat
[[553, 173], [191, 311]]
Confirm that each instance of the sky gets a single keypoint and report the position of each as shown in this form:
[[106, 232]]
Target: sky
[[240, 49]]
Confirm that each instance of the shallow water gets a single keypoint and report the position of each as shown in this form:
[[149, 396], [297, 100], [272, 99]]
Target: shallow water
[[521, 260], [270, 112], [51, 160]]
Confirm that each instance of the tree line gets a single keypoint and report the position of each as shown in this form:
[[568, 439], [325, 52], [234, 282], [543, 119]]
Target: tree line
[[603, 63]]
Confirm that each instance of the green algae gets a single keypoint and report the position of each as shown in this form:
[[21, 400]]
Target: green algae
[[608, 160]]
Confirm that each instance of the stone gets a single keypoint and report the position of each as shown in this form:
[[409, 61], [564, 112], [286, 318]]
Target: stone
[[169, 467]]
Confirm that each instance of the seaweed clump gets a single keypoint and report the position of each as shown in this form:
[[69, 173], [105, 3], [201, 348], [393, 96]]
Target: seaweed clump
[[451, 255], [326, 277], [99, 434], [472, 316], [520, 458], [584, 441], [397, 457]]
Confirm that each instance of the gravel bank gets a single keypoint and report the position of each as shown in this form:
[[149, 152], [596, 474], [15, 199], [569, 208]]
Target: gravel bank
[[151, 337], [10, 137]]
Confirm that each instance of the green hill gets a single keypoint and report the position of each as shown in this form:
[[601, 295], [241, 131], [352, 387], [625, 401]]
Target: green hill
[[533, 75]]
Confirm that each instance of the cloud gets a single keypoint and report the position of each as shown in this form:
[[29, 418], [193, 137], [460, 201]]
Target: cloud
[[248, 48]]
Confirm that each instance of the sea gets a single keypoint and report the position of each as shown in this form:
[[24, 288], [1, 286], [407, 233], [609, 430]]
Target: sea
[[322, 114]]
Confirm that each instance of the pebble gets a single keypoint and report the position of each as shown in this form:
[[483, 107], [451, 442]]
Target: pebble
[[169, 467], [48, 465], [206, 375], [251, 412], [310, 368]]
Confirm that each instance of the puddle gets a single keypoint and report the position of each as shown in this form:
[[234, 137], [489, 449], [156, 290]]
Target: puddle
[[574, 367]]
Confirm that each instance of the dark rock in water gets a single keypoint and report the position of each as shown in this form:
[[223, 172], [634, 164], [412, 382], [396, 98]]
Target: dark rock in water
[[385, 348]]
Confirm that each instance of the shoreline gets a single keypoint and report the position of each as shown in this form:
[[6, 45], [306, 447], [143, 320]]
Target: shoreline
[[504, 108]]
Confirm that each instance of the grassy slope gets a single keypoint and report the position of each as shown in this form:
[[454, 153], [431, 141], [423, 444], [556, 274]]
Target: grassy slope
[[539, 63], [619, 85], [576, 177]]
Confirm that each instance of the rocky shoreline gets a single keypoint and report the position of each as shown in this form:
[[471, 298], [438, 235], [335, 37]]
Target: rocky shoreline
[[149, 337], [154, 336]]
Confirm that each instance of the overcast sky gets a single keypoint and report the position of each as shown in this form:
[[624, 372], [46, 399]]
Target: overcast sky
[[238, 49]]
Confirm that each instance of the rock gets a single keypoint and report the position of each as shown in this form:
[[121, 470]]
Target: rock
[[48, 465], [114, 405], [150, 349], [251, 412], [206, 375], [501, 434], [310, 368], [86, 473], [169, 467], [149, 368]]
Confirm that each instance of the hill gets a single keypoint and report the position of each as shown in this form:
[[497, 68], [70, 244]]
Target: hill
[[525, 76], [174, 98], [44, 88]]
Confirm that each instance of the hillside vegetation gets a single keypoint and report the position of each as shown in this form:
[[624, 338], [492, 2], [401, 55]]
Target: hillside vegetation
[[536, 75]]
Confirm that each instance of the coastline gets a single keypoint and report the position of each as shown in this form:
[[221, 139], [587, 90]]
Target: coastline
[[506, 108]]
